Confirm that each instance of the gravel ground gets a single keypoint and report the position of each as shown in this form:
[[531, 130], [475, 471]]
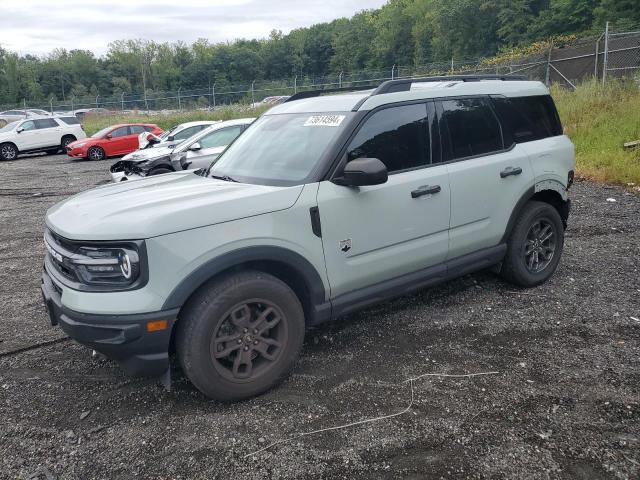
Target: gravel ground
[[565, 402]]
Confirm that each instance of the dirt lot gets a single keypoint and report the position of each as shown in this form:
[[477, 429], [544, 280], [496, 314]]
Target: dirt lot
[[565, 402]]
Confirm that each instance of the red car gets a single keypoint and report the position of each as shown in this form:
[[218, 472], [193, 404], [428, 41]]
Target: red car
[[112, 141]]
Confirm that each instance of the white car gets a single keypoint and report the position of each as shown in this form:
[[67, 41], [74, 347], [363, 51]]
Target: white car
[[174, 136], [39, 134], [9, 116], [196, 152]]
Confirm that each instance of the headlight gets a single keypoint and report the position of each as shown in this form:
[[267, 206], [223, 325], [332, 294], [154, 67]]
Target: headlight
[[107, 266], [97, 266]]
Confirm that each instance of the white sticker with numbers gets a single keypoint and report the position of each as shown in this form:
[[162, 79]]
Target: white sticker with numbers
[[324, 121]]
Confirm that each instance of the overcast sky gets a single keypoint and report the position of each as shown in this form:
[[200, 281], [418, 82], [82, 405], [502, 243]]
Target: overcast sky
[[39, 26]]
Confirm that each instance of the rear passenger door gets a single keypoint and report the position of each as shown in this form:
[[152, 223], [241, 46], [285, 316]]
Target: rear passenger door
[[377, 233], [488, 173], [48, 133]]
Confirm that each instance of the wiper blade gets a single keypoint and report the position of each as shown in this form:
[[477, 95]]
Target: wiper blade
[[226, 178]]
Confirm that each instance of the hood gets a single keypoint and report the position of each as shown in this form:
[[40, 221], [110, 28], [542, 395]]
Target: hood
[[163, 204], [82, 140], [147, 153]]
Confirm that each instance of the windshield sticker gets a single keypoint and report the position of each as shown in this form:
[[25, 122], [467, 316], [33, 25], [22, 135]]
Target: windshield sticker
[[324, 121]]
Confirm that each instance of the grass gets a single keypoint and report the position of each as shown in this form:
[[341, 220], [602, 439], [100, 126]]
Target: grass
[[599, 120]]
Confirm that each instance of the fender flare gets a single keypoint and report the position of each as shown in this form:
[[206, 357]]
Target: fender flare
[[213, 267], [515, 213]]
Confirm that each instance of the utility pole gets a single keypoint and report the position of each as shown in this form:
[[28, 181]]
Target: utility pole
[[295, 84], [547, 77], [392, 70], [340, 80], [606, 53], [253, 100], [179, 102], [213, 94], [122, 101], [51, 105]]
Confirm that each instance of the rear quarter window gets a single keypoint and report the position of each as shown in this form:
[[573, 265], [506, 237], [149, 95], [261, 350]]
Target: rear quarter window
[[525, 119], [69, 120]]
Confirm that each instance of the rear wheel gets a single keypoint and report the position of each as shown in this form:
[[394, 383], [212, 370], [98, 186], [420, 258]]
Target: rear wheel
[[96, 153], [8, 151], [240, 335], [535, 245]]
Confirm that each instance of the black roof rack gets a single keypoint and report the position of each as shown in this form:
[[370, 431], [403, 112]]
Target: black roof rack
[[317, 93], [404, 84]]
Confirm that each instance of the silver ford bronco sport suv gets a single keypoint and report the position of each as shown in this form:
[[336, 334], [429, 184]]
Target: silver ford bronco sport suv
[[326, 204]]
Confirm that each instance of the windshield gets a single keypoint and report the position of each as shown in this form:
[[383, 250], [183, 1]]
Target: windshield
[[8, 127], [279, 149], [101, 133]]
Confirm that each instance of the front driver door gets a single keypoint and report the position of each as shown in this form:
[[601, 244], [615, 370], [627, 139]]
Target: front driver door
[[375, 233], [211, 146], [119, 142], [27, 138]]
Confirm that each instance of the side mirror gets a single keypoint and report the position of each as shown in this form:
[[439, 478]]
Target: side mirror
[[20, 130], [195, 147], [363, 171], [170, 138], [108, 136]]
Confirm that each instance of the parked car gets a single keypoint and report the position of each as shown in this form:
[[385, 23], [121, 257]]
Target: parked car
[[9, 116], [174, 135], [196, 152], [324, 205], [111, 141], [39, 112], [81, 113], [39, 134]]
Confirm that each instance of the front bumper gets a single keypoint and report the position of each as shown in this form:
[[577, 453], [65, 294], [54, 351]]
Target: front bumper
[[77, 152], [123, 338]]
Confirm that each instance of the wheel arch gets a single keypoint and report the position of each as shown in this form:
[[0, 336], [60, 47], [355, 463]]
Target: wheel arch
[[290, 267], [541, 193]]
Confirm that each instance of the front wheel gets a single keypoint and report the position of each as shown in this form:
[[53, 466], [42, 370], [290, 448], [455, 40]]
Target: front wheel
[[8, 151], [240, 335], [535, 245], [96, 153]]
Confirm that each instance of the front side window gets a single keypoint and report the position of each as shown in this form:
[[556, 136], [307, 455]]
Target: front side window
[[220, 138], [120, 132], [26, 126], [282, 149], [396, 136], [186, 133], [469, 127]]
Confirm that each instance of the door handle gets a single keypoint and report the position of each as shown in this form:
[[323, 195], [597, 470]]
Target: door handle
[[507, 172], [425, 190]]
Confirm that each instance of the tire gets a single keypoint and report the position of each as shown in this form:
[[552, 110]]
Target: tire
[[96, 153], [535, 245], [159, 171], [66, 140], [240, 307], [8, 151]]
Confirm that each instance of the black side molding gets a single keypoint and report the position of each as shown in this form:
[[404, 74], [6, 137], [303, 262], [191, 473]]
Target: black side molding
[[314, 212]]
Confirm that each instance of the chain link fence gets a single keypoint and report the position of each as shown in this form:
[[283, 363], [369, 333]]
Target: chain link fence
[[611, 55]]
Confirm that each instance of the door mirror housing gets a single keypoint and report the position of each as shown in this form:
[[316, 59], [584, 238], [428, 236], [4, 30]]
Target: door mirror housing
[[362, 172], [195, 147], [108, 136], [20, 130], [170, 138]]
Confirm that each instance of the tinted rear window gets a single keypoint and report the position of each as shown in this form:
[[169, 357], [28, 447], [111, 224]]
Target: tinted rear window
[[525, 119], [45, 123], [70, 120], [470, 127]]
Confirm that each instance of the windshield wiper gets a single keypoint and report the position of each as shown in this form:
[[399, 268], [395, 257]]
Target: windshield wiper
[[226, 178]]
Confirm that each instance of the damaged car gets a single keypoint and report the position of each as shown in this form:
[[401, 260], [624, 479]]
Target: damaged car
[[196, 152], [174, 136]]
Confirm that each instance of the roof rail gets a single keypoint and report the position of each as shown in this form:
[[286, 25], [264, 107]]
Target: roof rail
[[317, 93], [404, 84]]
